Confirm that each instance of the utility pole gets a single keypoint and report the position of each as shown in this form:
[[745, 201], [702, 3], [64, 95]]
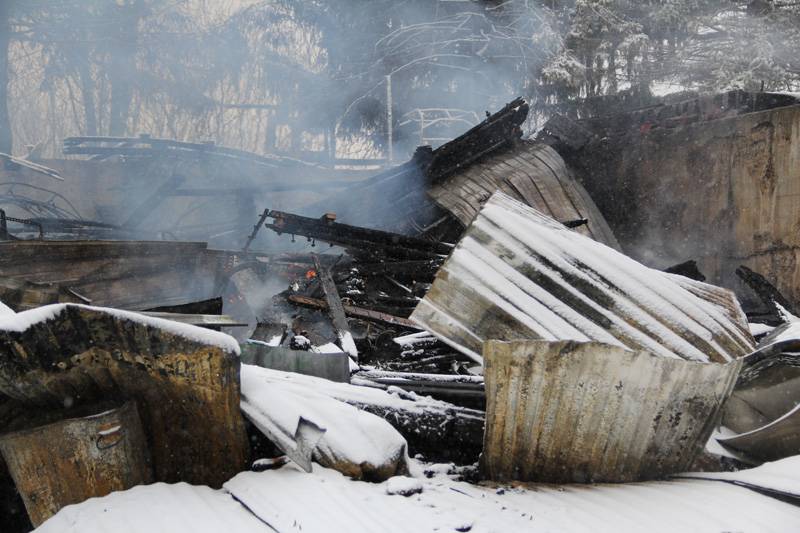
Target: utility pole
[[389, 132]]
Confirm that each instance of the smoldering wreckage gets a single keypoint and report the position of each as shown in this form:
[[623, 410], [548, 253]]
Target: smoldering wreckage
[[480, 337]]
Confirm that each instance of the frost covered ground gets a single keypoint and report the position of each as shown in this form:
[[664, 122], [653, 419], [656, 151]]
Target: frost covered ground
[[289, 500]]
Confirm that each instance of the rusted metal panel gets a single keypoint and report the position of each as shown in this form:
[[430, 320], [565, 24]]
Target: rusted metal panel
[[187, 389], [565, 412], [71, 460], [517, 274]]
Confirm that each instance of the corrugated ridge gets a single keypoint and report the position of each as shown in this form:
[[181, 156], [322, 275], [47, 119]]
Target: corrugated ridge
[[576, 412]]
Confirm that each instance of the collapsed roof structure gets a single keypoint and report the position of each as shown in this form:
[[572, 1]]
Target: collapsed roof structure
[[477, 306]]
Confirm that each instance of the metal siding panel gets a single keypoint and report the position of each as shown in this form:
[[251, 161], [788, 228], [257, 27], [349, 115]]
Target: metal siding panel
[[568, 412]]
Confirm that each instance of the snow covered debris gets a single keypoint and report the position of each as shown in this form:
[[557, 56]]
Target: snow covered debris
[[438, 429], [403, 486], [356, 443], [517, 274]]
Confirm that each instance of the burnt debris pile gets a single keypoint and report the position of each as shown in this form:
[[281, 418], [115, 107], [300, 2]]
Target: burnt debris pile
[[568, 309]]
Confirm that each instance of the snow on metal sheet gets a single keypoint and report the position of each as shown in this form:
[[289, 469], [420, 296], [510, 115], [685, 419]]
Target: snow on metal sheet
[[517, 274], [290, 500], [564, 412]]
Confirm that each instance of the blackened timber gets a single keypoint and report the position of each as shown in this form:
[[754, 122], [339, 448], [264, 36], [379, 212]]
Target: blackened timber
[[769, 295], [335, 309], [358, 240], [354, 311], [416, 270], [498, 130], [257, 227]]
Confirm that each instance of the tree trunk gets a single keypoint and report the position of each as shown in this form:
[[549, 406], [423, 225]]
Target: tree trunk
[[87, 92], [6, 140], [123, 66]]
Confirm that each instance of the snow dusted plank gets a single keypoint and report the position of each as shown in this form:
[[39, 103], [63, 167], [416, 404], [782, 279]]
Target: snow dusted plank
[[158, 508], [518, 274], [282, 498]]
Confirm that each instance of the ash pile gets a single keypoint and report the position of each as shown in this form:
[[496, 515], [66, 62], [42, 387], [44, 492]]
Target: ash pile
[[469, 313]]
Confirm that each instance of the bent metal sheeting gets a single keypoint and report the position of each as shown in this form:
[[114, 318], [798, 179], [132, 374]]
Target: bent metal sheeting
[[517, 274]]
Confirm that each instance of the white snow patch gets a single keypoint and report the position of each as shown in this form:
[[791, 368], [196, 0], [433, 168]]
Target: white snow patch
[[19, 322], [6, 310], [759, 329], [348, 344], [326, 348], [403, 486], [326, 502]]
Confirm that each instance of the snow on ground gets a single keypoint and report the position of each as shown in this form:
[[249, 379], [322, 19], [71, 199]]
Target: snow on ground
[[289, 500], [21, 321], [779, 476], [157, 508]]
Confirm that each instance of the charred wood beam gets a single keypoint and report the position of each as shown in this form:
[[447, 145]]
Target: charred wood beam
[[766, 291], [438, 430], [501, 128], [415, 270], [571, 224], [212, 306], [359, 241], [441, 386], [257, 227], [335, 309], [356, 312]]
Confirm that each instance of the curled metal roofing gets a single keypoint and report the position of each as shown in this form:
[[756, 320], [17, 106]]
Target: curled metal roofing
[[518, 274]]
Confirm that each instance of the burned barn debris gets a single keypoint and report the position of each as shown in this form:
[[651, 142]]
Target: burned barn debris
[[636, 346], [471, 307]]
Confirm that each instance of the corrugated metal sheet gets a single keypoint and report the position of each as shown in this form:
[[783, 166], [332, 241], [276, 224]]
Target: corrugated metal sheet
[[531, 173], [562, 412], [776, 440], [518, 274], [764, 409]]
